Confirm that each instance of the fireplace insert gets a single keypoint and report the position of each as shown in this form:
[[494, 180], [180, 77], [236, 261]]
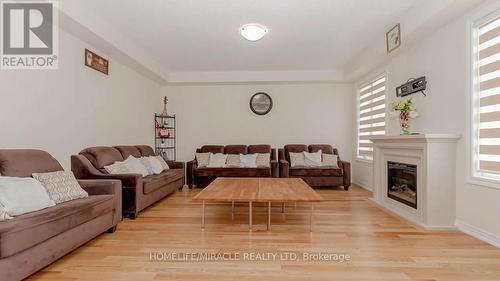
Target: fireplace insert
[[402, 183]]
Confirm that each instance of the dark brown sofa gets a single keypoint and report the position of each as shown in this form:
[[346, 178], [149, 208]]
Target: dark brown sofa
[[315, 176], [32, 241], [138, 192], [201, 177]]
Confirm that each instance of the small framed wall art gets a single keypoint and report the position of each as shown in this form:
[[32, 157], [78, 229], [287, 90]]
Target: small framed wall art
[[96, 62], [393, 38]]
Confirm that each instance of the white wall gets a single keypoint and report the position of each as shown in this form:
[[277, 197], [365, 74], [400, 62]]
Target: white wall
[[302, 113], [442, 58], [63, 111]]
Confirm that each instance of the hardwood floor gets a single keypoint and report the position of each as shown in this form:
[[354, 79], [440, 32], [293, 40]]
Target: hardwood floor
[[381, 246]]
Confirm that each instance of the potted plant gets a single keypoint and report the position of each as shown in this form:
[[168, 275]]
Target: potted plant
[[405, 111]]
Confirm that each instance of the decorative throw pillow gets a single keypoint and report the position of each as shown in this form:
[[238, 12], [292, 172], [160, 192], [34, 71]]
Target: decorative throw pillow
[[163, 163], [248, 160], [203, 159], [117, 168], [22, 195], [263, 160], [61, 186], [135, 166], [233, 161], [156, 165], [145, 162], [330, 160], [312, 159], [3, 214], [217, 160], [297, 159]]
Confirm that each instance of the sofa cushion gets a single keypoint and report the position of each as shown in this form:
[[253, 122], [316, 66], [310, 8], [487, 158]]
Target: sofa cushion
[[24, 162], [259, 148], [295, 148], [316, 171], [145, 150], [235, 149], [212, 148], [101, 156], [325, 148], [127, 150], [233, 172], [17, 234], [155, 182]]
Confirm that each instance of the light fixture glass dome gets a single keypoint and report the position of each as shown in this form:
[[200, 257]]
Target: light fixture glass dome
[[253, 31]]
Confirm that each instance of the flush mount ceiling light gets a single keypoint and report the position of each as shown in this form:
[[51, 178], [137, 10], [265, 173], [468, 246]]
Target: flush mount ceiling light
[[253, 31]]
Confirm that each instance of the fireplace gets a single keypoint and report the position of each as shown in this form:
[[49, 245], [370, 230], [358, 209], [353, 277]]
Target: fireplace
[[402, 183]]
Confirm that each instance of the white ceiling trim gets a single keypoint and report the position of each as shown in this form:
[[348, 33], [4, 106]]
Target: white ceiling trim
[[255, 76]]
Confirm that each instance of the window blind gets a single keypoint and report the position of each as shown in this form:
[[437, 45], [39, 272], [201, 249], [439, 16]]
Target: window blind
[[489, 96], [371, 115]]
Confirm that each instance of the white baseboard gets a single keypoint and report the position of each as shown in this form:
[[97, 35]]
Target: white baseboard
[[363, 185], [480, 234]]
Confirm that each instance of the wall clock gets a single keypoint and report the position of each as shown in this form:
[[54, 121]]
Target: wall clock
[[261, 103]]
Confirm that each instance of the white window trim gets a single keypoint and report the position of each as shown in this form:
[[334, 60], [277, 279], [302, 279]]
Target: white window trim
[[365, 81], [473, 176]]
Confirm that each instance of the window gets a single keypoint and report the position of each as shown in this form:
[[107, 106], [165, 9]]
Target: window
[[371, 115], [486, 98]]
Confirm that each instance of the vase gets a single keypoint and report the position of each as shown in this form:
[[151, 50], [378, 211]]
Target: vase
[[404, 121]]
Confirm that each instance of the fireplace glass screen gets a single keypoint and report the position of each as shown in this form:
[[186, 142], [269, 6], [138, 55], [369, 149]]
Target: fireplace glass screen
[[402, 183]]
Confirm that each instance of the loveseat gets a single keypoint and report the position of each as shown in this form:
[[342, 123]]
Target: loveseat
[[315, 176], [203, 176], [138, 192], [34, 240]]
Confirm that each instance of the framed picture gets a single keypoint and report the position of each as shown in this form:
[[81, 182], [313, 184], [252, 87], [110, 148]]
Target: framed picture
[[96, 62], [393, 38]]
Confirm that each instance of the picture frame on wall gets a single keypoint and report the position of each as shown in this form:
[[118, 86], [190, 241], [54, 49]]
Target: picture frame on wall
[[96, 62], [393, 38]]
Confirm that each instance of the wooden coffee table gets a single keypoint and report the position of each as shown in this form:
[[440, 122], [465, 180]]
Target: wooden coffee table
[[270, 190]]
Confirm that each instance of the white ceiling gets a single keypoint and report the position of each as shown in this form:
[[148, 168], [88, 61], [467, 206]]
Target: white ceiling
[[202, 35]]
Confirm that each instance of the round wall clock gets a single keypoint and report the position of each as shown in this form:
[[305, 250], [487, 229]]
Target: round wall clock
[[261, 103]]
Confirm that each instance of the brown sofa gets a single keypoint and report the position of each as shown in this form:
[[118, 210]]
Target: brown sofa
[[32, 241], [315, 176], [201, 177], [138, 192]]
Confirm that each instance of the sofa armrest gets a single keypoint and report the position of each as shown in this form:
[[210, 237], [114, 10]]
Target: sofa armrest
[[176, 165], [106, 187], [274, 169], [190, 168], [346, 168], [284, 169], [83, 169]]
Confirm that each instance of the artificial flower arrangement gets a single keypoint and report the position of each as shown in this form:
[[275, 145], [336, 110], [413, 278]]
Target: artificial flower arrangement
[[405, 111]]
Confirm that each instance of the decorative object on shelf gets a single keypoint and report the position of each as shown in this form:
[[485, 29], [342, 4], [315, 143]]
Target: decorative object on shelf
[[393, 38], [96, 62], [261, 103], [411, 86], [165, 113], [165, 137], [405, 111]]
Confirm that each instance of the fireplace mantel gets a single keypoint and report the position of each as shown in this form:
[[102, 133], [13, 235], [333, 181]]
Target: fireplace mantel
[[434, 156]]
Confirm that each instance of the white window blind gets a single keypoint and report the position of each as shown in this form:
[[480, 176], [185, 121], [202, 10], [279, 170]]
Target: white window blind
[[488, 76], [371, 115]]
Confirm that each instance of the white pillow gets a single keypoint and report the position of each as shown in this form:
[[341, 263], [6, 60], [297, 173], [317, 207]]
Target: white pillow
[[145, 162], [263, 160], [330, 160], [135, 167], [61, 186], [3, 214], [203, 159], [297, 159], [312, 159], [217, 160], [156, 165], [248, 160], [117, 168], [23, 195], [163, 163]]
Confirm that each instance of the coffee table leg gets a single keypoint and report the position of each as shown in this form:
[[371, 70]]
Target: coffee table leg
[[250, 215], [268, 215], [311, 219], [203, 215]]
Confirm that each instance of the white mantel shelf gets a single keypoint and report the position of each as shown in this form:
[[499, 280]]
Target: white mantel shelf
[[434, 156], [417, 138]]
